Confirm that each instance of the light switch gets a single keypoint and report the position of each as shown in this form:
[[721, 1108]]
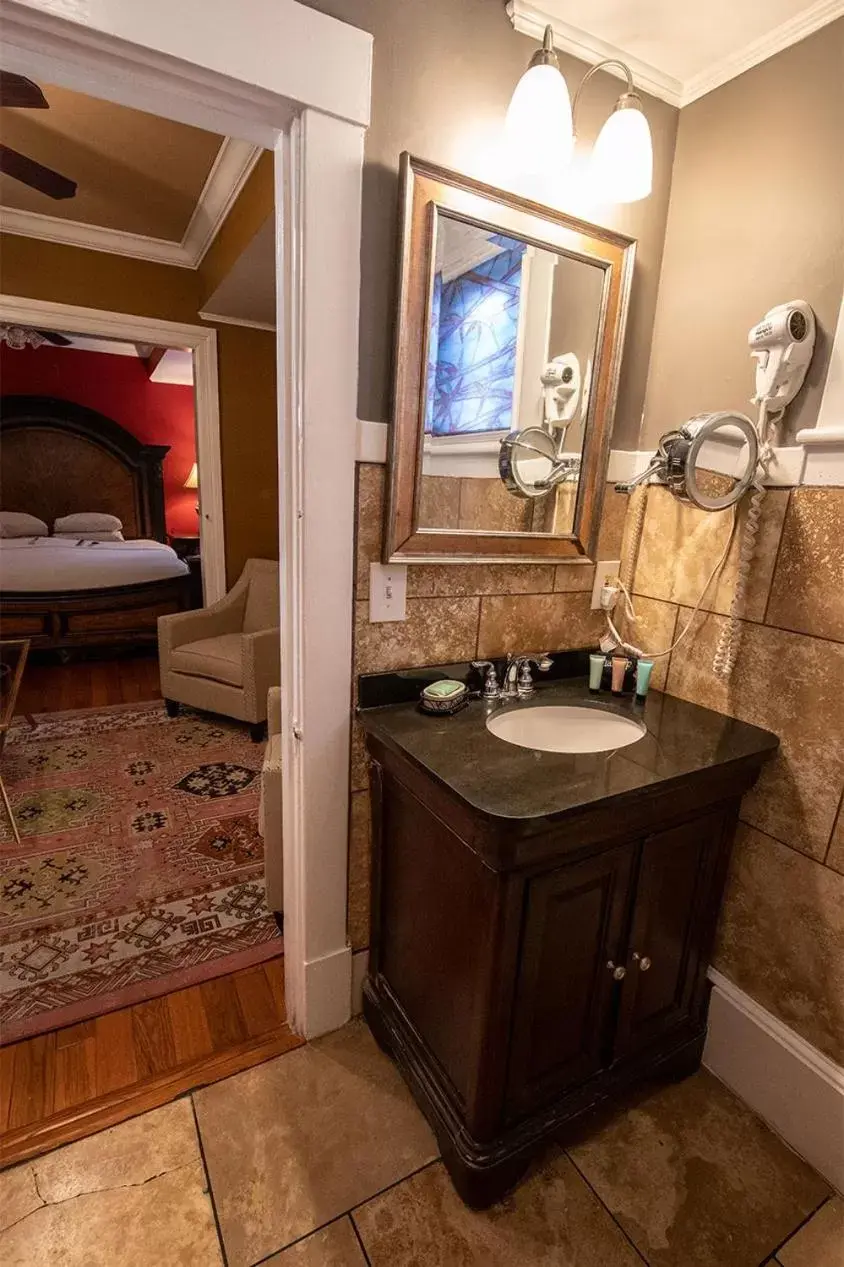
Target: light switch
[[387, 591]]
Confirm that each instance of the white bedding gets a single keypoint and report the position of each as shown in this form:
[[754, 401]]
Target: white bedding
[[38, 565]]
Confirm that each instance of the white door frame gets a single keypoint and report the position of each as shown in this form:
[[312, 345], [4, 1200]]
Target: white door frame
[[202, 341], [292, 79]]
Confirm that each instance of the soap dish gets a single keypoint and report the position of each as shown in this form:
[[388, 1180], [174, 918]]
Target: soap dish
[[444, 697]]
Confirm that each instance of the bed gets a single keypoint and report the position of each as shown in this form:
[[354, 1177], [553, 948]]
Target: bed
[[59, 458]]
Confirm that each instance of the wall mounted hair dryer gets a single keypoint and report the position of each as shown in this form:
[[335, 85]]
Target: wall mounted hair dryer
[[782, 344], [560, 390]]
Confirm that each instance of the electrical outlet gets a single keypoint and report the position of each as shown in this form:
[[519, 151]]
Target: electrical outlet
[[604, 568], [387, 592]]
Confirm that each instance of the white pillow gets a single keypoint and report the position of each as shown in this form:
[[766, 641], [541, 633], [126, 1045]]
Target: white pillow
[[15, 523], [88, 522], [114, 535]]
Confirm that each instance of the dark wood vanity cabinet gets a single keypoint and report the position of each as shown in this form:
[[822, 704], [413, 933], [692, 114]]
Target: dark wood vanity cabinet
[[611, 957], [524, 974]]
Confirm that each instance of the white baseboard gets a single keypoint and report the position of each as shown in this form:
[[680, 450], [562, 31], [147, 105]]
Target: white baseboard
[[360, 966], [328, 990], [791, 1085]]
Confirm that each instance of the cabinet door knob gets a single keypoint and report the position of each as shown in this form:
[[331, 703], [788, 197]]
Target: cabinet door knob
[[618, 971], [642, 960]]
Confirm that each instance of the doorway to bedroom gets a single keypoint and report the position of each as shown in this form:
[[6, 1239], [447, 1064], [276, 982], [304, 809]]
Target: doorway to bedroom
[[133, 913]]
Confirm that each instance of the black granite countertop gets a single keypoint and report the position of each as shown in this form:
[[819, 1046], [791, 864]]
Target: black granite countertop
[[504, 781]]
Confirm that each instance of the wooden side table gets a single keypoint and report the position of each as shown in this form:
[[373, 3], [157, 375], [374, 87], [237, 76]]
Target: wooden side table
[[187, 548]]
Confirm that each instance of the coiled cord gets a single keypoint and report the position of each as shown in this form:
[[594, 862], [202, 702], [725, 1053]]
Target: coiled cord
[[729, 643]]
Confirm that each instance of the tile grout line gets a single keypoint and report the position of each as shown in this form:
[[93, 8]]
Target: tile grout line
[[773, 1254], [356, 1231], [835, 821], [749, 620], [819, 862], [604, 1206], [211, 1197], [346, 1214], [777, 558]]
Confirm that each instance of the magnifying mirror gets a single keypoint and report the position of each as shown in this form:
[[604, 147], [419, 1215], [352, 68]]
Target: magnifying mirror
[[710, 461], [531, 462]]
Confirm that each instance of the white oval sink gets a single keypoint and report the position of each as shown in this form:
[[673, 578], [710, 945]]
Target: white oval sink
[[565, 728]]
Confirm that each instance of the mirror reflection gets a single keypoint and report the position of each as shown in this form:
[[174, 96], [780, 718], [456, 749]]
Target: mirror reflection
[[512, 340]]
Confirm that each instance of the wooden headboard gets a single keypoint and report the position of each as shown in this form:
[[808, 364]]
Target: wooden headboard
[[59, 458]]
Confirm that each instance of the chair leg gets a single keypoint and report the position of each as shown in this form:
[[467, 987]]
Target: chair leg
[[11, 816], [258, 731], [172, 707]]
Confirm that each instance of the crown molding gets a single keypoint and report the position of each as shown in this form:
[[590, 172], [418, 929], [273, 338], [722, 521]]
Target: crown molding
[[219, 319], [782, 36], [531, 19], [229, 172], [92, 237]]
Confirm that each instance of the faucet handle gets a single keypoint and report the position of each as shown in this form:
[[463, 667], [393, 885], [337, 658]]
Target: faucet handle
[[491, 687], [525, 686]]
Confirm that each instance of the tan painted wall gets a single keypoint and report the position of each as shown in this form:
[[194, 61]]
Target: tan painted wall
[[253, 207], [66, 274], [442, 78], [756, 218]]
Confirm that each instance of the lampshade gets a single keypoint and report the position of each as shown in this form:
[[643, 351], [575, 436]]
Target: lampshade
[[622, 162], [192, 480], [538, 127]]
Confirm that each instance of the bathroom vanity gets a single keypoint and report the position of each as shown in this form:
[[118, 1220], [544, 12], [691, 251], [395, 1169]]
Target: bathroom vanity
[[543, 921]]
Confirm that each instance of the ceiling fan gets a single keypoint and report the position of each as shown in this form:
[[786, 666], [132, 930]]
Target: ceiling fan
[[17, 91], [18, 337]]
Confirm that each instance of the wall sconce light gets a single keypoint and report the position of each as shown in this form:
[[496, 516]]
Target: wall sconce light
[[540, 128]]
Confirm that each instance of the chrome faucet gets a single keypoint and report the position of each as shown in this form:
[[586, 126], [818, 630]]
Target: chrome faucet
[[491, 688], [518, 683]]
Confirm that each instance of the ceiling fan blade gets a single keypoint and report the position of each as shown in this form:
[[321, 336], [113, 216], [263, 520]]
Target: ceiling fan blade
[[57, 340], [44, 179], [15, 90]]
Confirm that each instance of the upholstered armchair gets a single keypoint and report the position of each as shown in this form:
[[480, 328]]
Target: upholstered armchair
[[269, 815], [224, 658]]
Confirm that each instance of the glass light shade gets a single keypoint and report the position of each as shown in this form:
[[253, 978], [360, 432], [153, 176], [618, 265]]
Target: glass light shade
[[192, 480], [622, 163], [538, 126]]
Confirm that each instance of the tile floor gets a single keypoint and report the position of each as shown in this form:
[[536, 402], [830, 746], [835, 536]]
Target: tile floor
[[320, 1159]]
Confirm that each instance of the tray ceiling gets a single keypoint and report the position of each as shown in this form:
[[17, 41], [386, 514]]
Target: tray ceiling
[[676, 50], [147, 186]]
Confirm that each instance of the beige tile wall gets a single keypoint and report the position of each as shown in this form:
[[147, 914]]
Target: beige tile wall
[[458, 612], [782, 932]]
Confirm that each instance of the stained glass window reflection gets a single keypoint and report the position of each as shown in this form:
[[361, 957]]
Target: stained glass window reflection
[[473, 341]]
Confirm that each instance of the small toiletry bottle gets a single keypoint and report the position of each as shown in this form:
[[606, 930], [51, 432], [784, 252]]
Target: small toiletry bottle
[[596, 671], [619, 668], [643, 677]]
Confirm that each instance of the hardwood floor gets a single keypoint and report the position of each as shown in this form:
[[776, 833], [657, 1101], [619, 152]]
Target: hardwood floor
[[68, 1083], [51, 687], [60, 1086]]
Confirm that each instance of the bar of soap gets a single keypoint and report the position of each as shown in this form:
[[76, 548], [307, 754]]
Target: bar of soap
[[443, 697], [443, 690]]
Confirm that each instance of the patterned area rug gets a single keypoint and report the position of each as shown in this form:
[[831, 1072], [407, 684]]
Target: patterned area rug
[[140, 868]]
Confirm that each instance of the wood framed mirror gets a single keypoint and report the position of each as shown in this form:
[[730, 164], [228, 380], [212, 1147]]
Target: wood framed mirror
[[509, 341]]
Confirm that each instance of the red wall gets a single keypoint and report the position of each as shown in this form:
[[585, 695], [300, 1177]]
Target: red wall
[[118, 387]]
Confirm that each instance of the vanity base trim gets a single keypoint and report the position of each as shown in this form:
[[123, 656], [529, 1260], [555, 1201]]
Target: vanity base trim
[[483, 1171]]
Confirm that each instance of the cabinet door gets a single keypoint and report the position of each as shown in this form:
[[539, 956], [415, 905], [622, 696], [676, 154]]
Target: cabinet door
[[671, 934], [574, 924]]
